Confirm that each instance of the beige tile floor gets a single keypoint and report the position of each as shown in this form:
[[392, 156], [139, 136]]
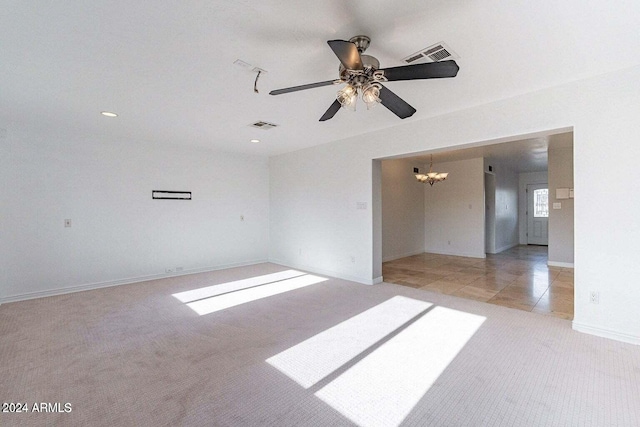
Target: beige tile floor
[[517, 278]]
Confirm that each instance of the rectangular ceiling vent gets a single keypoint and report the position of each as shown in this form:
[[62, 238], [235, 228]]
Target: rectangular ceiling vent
[[263, 125], [437, 52]]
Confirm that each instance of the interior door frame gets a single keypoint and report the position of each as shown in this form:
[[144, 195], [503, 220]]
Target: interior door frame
[[489, 212]]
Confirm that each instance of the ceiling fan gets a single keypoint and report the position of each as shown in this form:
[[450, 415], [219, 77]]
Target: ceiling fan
[[362, 74]]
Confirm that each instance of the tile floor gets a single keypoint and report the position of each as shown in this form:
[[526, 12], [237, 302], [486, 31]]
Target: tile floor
[[518, 278]]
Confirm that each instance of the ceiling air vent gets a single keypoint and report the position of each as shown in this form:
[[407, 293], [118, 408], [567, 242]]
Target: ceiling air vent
[[437, 52], [263, 125]]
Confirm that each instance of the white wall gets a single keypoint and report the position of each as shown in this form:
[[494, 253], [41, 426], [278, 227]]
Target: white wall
[[118, 232], [402, 210], [454, 210], [525, 179], [506, 207], [560, 220], [314, 191], [489, 212], [315, 221]]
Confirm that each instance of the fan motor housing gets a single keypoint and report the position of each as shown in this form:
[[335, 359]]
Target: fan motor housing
[[360, 77], [370, 62], [361, 42]]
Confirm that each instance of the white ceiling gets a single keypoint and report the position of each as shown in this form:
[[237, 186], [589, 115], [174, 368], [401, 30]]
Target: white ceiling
[[520, 155], [167, 67]]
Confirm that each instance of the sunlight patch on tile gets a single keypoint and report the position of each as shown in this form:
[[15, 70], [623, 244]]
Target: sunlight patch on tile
[[315, 358], [383, 388], [223, 288], [232, 299]]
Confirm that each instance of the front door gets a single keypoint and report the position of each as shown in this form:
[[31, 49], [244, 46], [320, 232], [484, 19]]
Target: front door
[[537, 214]]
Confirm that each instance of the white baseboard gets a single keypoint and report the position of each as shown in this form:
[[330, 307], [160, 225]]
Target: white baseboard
[[605, 333], [329, 273], [504, 248], [127, 281], [464, 254], [394, 257], [560, 264]]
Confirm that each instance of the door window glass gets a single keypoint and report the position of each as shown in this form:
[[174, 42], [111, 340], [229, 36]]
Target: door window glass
[[541, 203]]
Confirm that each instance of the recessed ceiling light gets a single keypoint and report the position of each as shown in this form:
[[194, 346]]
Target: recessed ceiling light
[[108, 114], [255, 141]]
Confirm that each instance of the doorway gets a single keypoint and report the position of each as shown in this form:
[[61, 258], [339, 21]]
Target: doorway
[[437, 266]]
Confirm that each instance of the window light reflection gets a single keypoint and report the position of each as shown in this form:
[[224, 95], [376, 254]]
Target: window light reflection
[[223, 288], [232, 299], [384, 387], [315, 358]]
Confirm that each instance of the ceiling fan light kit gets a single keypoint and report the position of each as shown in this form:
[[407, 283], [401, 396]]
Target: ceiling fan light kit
[[371, 94], [347, 97], [363, 75]]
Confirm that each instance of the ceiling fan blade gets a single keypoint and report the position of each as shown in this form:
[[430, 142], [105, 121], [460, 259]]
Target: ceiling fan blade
[[331, 111], [397, 105], [347, 53], [303, 87], [432, 70]]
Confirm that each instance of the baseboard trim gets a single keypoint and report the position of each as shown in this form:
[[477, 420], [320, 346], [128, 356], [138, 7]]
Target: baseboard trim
[[605, 333], [504, 248], [560, 264], [127, 281], [467, 255], [395, 257], [329, 273]]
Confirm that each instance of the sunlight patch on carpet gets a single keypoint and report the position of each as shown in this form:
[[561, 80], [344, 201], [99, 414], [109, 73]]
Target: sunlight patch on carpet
[[223, 288], [315, 358], [235, 298], [384, 387]]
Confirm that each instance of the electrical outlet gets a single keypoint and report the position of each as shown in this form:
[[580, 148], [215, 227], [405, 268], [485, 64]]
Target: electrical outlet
[[67, 223], [241, 217], [594, 297]]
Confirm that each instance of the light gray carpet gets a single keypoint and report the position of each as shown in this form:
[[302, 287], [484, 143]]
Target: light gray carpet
[[135, 355]]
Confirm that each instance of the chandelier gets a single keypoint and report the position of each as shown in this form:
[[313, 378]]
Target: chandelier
[[431, 176]]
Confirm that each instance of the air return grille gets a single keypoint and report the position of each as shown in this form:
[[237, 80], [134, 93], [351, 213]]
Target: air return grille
[[437, 52], [263, 125]]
